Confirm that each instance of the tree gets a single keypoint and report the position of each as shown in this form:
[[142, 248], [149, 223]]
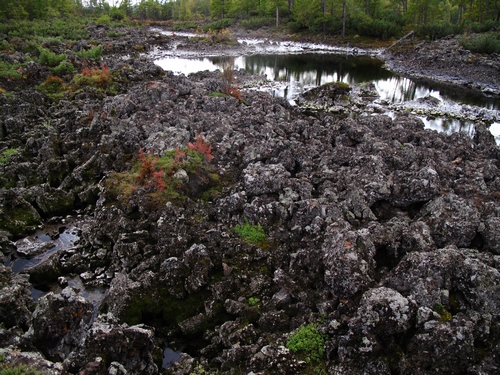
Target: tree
[[149, 9], [304, 12]]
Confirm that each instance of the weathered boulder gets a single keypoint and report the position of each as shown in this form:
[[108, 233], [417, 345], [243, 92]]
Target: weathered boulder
[[15, 299], [59, 324], [18, 216], [451, 219], [461, 280], [349, 261], [122, 348]]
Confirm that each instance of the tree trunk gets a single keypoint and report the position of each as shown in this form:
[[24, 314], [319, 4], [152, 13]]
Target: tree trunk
[[277, 16]]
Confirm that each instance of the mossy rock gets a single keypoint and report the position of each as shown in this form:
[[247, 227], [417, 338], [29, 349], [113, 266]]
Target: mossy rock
[[158, 308], [55, 202], [17, 216]]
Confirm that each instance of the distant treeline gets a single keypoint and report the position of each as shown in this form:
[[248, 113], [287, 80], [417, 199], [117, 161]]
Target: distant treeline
[[374, 18]]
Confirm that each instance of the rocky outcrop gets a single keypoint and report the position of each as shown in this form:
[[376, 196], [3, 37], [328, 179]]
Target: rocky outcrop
[[379, 233], [447, 61]]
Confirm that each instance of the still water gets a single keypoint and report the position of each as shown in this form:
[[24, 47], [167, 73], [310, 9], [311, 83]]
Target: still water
[[291, 74]]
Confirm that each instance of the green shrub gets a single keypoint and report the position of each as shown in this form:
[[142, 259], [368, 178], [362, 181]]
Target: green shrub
[[218, 25], [67, 29], [185, 25], [257, 22], [115, 34], [117, 14], [379, 29], [9, 71], [50, 58], [63, 68], [7, 154], [252, 234], [97, 78], [253, 301], [53, 85], [104, 20], [307, 340], [50, 41], [18, 370], [485, 43], [158, 176], [437, 30], [5, 46], [482, 27], [94, 53]]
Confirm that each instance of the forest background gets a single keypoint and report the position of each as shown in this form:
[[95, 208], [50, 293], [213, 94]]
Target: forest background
[[383, 19]]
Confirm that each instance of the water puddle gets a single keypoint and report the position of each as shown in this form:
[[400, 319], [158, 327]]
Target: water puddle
[[34, 249], [170, 357]]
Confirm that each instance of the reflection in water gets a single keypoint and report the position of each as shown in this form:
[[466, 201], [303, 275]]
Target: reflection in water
[[291, 74], [300, 71]]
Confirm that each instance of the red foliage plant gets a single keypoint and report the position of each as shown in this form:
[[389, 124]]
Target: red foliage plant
[[98, 77], [147, 168], [158, 177], [179, 155], [202, 146]]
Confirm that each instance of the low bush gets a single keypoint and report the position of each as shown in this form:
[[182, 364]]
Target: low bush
[[117, 14], [97, 78], [115, 34], [223, 23], [47, 57], [379, 29], [437, 30], [482, 27], [18, 370], [95, 53], [66, 29], [185, 25], [53, 85], [172, 177], [5, 46], [9, 71], [64, 68], [257, 22], [484, 43], [104, 20]]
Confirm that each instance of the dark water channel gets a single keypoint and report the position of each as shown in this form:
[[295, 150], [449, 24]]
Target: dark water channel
[[39, 247], [291, 74]]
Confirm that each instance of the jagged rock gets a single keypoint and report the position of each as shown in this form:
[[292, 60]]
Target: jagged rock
[[19, 217], [447, 347], [59, 323], [264, 179], [349, 261], [15, 299], [451, 219], [368, 220], [198, 262], [458, 279], [124, 349]]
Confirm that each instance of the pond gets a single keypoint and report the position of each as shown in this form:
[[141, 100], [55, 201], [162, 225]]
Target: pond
[[307, 66]]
